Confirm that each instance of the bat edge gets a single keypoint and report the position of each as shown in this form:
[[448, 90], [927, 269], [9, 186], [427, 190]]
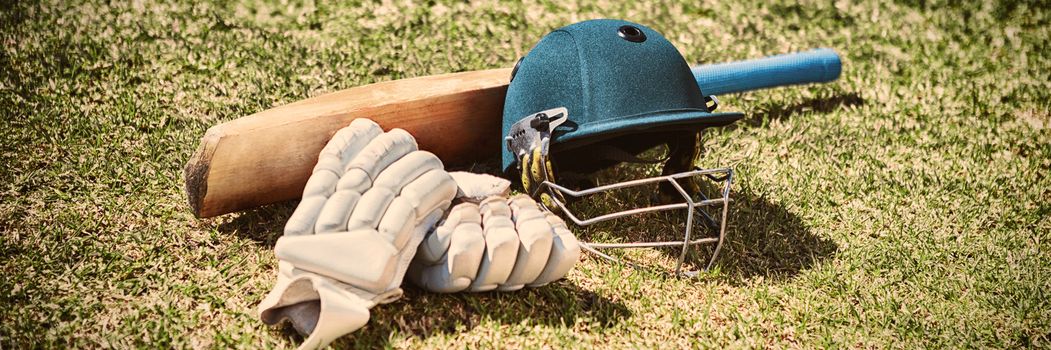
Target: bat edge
[[195, 174]]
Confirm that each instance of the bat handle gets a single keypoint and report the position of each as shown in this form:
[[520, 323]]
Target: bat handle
[[814, 66]]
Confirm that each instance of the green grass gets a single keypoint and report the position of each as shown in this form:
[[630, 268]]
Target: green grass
[[904, 206]]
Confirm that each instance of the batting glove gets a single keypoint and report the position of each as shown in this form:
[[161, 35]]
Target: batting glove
[[367, 206]]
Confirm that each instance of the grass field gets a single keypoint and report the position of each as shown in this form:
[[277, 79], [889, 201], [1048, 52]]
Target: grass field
[[905, 206]]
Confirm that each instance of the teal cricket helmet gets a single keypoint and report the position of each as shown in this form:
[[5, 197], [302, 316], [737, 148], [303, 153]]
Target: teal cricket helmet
[[617, 80], [600, 92]]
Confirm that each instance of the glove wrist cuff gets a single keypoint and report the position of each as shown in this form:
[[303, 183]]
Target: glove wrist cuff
[[317, 308]]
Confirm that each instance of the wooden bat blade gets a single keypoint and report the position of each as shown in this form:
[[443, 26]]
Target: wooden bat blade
[[268, 156]]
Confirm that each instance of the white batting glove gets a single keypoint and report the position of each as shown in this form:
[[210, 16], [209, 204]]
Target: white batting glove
[[370, 201], [500, 243]]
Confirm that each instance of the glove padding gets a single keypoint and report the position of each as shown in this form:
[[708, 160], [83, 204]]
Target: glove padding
[[503, 244], [371, 199]]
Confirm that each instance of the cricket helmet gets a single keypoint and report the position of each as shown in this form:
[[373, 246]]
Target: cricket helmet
[[600, 92]]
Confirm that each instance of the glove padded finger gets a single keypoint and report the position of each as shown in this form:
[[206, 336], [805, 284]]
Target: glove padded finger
[[457, 265], [500, 243]]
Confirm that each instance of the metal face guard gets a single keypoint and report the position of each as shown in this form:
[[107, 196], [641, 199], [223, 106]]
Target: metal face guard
[[529, 140], [724, 175]]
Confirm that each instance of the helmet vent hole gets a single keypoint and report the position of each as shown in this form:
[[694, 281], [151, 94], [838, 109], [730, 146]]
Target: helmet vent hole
[[631, 33]]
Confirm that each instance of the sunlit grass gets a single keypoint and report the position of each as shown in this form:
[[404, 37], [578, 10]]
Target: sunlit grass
[[905, 205]]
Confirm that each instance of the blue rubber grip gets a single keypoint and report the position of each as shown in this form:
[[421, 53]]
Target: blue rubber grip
[[814, 66]]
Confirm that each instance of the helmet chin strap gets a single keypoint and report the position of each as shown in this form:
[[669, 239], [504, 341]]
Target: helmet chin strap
[[530, 140]]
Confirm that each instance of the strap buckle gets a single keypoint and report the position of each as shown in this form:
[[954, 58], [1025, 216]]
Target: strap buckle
[[535, 131]]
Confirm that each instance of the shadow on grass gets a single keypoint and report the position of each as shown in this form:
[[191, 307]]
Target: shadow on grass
[[422, 314], [821, 104], [263, 225], [762, 238]]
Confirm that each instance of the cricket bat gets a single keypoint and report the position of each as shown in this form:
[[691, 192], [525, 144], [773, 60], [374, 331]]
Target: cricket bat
[[267, 157]]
